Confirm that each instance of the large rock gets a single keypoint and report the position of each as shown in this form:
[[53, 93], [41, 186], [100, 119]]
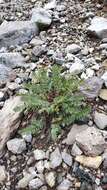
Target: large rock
[[17, 32], [92, 87], [9, 120], [98, 27], [76, 129], [41, 17], [100, 120], [16, 145], [91, 141]]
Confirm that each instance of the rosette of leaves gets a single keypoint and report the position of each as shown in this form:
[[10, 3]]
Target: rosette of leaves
[[54, 100]]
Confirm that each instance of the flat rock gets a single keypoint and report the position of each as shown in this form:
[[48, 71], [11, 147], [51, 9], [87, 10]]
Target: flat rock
[[91, 162], [91, 141], [17, 32], [55, 158], [91, 87], [41, 17], [103, 94], [76, 129], [100, 120], [98, 27], [10, 120], [67, 158]]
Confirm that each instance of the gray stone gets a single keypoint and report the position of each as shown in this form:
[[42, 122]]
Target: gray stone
[[91, 87], [16, 145], [41, 17], [17, 32], [10, 120], [50, 5], [73, 48], [67, 158], [35, 184], [27, 137], [65, 185], [39, 154], [55, 158], [91, 141], [23, 183], [40, 166], [100, 120], [39, 50], [76, 151], [76, 129], [1, 96], [98, 27], [5, 72], [50, 179]]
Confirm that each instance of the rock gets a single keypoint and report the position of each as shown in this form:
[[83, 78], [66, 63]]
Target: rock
[[41, 17], [65, 185], [2, 174], [12, 86], [91, 141], [86, 186], [12, 60], [50, 5], [55, 158], [67, 158], [50, 179], [16, 146], [73, 48], [100, 120], [76, 150], [98, 27], [91, 162], [17, 32], [36, 41], [40, 166], [10, 120], [39, 154], [91, 87], [1, 96], [35, 184], [104, 77], [76, 129], [27, 137], [39, 50], [23, 183], [76, 68]]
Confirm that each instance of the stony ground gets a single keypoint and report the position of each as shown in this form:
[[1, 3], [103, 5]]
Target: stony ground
[[34, 34]]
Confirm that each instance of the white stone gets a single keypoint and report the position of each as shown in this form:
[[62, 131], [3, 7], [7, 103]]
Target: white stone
[[16, 145], [100, 120], [1, 96], [50, 179], [39, 154], [23, 183], [73, 48], [65, 185], [50, 5], [27, 137], [98, 27], [55, 158], [35, 184], [40, 166], [76, 68]]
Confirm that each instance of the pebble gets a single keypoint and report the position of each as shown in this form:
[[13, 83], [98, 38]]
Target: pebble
[[100, 120], [67, 158], [2, 173], [55, 158], [16, 145], [50, 179], [35, 184], [39, 154]]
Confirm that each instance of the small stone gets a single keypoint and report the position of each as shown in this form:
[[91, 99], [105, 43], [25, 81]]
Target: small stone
[[16, 145], [50, 5], [27, 137], [35, 184], [91, 162], [23, 183], [104, 77], [1, 96], [38, 50], [39, 154], [2, 174], [67, 158], [65, 185], [50, 179], [76, 68], [100, 120], [103, 94], [76, 150], [55, 158], [73, 48], [40, 166]]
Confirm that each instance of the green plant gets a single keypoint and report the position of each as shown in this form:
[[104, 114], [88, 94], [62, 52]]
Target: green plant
[[53, 101]]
